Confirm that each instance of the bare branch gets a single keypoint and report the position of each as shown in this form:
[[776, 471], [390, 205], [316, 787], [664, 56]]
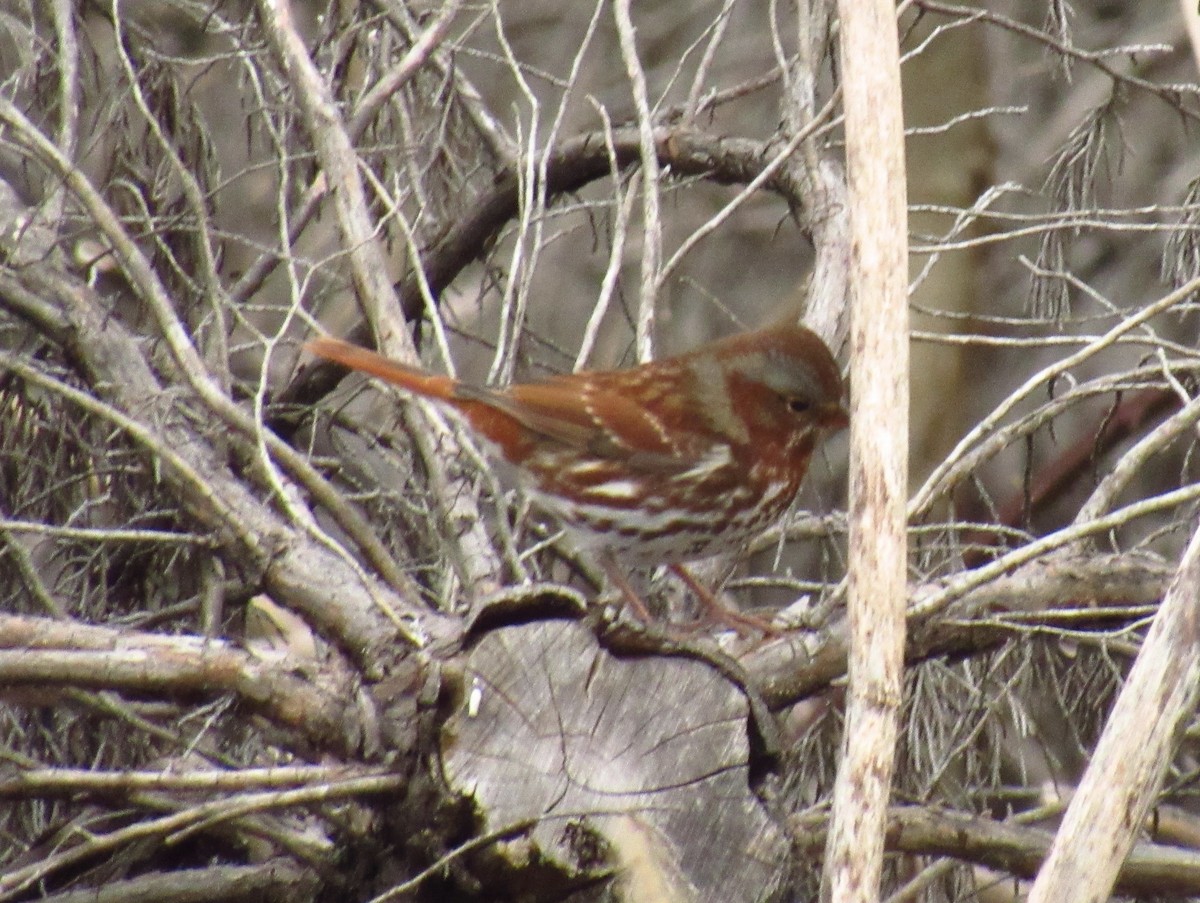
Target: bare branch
[[878, 449]]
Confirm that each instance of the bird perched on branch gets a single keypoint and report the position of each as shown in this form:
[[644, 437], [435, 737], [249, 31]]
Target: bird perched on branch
[[665, 463]]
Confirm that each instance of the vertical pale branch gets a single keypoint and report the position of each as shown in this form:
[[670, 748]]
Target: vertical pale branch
[[1110, 805], [651, 228], [878, 446]]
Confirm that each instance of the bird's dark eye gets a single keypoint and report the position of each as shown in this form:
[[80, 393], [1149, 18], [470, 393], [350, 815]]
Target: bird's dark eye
[[799, 405]]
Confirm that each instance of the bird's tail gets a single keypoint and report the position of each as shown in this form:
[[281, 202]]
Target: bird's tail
[[413, 379]]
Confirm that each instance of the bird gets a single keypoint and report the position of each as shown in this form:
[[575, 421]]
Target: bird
[[669, 462]]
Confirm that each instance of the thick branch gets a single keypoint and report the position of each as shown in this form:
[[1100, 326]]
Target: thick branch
[[1134, 751], [291, 563], [277, 880], [793, 669], [1008, 848], [37, 653]]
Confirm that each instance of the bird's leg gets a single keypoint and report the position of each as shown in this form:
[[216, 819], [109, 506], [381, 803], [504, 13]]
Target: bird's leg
[[716, 612], [632, 599]]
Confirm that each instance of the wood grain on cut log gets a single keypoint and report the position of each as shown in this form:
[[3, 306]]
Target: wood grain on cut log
[[555, 728]]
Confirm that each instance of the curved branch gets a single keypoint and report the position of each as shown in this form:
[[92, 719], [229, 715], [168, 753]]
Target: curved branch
[[576, 163]]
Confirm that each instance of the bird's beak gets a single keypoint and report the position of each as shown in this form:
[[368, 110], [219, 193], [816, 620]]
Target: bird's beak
[[833, 417]]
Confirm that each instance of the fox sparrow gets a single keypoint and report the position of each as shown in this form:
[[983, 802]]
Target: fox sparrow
[[665, 463]]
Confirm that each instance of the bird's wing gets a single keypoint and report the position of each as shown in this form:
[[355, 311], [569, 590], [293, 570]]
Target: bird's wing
[[599, 422]]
